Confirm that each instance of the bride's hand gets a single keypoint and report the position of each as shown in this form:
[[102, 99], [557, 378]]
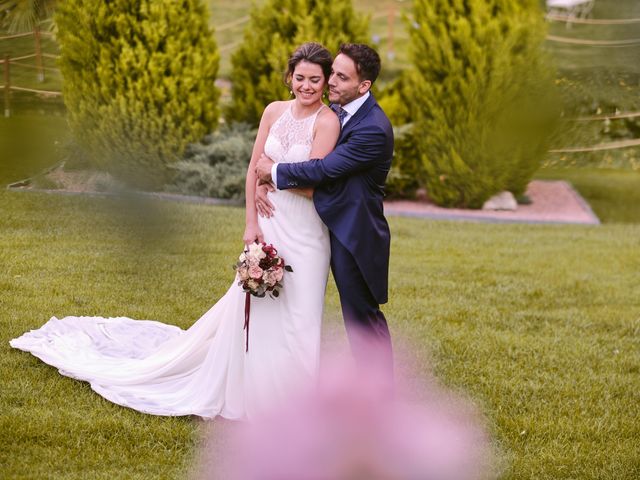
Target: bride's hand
[[251, 234], [263, 205]]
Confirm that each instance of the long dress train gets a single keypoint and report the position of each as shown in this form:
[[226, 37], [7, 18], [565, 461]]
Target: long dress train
[[163, 370]]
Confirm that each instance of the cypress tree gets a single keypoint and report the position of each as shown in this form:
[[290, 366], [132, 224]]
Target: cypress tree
[[273, 33], [478, 95], [138, 82]]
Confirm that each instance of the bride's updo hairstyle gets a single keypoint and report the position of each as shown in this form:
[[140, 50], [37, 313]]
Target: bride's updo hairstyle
[[313, 53]]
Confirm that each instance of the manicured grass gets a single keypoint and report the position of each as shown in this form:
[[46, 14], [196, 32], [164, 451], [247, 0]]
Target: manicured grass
[[536, 324], [614, 195]]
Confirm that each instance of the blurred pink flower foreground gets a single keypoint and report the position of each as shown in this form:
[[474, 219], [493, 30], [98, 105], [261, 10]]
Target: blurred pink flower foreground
[[351, 428]]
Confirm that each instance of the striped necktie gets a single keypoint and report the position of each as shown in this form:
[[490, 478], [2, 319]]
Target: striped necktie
[[341, 112]]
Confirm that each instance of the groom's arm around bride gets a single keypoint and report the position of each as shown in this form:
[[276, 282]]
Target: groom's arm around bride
[[349, 189]]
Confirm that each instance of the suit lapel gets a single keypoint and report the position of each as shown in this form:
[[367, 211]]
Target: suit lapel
[[362, 112]]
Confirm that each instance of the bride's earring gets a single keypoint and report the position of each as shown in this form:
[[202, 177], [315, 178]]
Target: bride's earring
[[291, 93]]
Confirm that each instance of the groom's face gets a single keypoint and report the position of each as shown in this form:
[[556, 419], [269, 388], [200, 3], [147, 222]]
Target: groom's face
[[344, 83]]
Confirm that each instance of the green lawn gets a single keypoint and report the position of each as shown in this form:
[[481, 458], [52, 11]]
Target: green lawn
[[539, 325]]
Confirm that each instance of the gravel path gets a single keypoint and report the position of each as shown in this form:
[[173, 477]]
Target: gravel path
[[551, 202]]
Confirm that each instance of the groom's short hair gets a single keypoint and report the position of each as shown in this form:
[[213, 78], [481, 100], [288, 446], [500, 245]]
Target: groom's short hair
[[366, 59]]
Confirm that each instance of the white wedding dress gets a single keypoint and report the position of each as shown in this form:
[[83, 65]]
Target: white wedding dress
[[163, 370]]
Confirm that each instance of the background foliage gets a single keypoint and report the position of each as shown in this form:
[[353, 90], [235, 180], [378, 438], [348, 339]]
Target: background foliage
[[478, 98], [273, 33], [217, 166], [591, 81], [139, 82]]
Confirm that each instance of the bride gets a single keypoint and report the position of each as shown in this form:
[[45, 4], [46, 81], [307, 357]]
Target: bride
[[163, 370]]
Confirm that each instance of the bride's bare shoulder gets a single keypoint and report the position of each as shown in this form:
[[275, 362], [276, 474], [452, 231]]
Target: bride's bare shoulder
[[275, 109], [328, 120]]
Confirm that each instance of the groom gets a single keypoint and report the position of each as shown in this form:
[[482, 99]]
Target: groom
[[349, 189]]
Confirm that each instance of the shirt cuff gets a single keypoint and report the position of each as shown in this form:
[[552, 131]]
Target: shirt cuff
[[274, 174]]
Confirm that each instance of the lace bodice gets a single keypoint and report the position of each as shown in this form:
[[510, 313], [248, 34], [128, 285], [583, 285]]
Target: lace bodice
[[290, 139]]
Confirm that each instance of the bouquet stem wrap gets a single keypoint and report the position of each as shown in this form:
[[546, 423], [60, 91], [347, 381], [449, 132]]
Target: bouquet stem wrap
[[247, 312]]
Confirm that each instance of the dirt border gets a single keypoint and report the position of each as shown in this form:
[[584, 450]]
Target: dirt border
[[552, 202]]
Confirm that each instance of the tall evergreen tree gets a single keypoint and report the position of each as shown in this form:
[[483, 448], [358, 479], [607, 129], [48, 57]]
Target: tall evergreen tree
[[274, 31], [478, 95], [138, 81]]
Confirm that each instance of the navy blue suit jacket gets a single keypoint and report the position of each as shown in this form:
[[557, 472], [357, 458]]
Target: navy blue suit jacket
[[349, 189]]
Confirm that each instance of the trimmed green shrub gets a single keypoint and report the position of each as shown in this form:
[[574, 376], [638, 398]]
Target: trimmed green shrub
[[273, 33], [138, 82], [217, 166], [480, 96], [406, 173]]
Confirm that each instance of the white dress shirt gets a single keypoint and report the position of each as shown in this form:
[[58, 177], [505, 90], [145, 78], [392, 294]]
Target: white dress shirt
[[351, 108]]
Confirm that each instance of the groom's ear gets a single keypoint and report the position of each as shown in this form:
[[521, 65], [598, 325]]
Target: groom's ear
[[364, 87]]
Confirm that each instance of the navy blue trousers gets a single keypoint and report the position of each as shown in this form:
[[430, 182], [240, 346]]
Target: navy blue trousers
[[366, 325]]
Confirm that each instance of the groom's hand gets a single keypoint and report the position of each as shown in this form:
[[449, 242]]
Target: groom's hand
[[263, 168]]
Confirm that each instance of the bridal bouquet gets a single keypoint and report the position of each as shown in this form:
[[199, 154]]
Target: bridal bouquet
[[260, 270]]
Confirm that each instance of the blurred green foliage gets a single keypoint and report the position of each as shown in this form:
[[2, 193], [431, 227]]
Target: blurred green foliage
[[387, 32], [479, 97], [590, 80], [217, 166], [21, 15], [138, 82], [274, 31]]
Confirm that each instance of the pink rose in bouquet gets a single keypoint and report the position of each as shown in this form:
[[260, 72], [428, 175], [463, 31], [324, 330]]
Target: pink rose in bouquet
[[260, 270], [255, 272]]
